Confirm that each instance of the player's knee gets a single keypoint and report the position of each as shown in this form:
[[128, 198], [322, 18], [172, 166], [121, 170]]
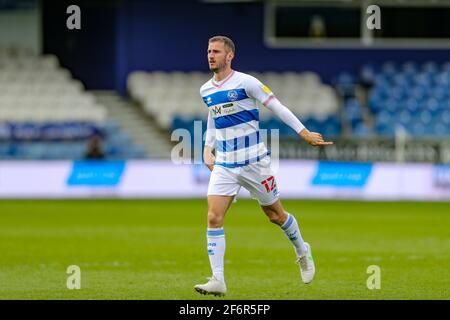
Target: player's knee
[[215, 220]]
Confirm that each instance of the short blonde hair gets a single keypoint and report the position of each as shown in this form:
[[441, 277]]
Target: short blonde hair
[[229, 44]]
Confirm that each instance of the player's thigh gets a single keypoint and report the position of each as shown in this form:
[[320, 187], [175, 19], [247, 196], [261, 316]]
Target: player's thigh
[[223, 182], [260, 181], [218, 205], [223, 186]]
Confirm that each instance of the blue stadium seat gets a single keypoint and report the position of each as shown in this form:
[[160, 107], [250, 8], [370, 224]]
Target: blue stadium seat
[[442, 79], [392, 106], [367, 74], [444, 116], [345, 83], [430, 67], [382, 80], [402, 80], [425, 117], [362, 130], [137, 153], [410, 68], [423, 79], [353, 112], [312, 124], [5, 149], [389, 68], [375, 101], [385, 128], [331, 126], [419, 92], [119, 139], [404, 118], [111, 127], [412, 105], [398, 93], [417, 129], [440, 129]]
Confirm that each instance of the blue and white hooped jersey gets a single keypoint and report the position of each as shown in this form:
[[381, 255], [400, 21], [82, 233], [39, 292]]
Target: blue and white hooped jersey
[[235, 116]]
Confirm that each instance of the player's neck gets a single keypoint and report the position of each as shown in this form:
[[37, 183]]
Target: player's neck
[[219, 76]]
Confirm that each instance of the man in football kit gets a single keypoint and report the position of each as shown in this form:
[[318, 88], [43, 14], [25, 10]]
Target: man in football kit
[[241, 158]]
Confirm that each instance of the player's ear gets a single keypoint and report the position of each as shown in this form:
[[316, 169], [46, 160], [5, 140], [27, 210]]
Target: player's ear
[[230, 56]]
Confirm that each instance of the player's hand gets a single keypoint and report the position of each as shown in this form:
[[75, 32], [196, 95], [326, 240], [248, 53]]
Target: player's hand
[[314, 138], [209, 158]]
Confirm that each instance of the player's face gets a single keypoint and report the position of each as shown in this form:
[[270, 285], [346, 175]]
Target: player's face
[[217, 56]]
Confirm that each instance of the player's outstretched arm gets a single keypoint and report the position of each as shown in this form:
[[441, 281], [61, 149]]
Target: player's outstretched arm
[[264, 95], [313, 138]]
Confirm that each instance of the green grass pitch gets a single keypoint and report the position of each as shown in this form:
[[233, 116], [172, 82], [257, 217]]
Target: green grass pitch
[[156, 249]]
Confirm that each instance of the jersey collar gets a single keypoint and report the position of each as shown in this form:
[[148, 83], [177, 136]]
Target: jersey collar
[[221, 83]]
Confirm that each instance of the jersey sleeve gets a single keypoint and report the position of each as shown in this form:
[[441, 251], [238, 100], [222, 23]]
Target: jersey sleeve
[[285, 115], [210, 139], [210, 136], [257, 90]]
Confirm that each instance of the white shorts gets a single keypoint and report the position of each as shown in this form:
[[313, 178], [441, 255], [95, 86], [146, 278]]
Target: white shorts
[[257, 178]]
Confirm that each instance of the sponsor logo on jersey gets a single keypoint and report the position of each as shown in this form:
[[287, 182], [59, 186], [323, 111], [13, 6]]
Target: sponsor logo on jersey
[[224, 109], [208, 100], [216, 110]]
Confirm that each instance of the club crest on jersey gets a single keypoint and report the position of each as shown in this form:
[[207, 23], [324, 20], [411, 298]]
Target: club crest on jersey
[[232, 95]]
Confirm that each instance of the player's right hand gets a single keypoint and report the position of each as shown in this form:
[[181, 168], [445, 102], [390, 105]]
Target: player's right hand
[[314, 138]]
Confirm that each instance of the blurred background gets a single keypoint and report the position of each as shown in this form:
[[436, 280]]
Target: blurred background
[[116, 88], [91, 114]]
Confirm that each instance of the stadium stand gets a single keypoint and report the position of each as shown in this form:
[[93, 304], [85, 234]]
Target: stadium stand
[[314, 102], [46, 114], [413, 97]]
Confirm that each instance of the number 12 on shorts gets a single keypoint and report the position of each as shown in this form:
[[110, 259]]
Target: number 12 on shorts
[[269, 183]]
